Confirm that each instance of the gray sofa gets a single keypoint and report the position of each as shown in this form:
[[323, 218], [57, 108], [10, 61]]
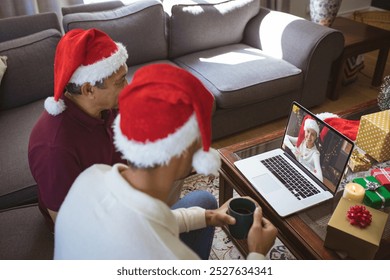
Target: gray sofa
[[255, 62], [29, 42]]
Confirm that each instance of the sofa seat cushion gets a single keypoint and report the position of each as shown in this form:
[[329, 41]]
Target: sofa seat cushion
[[139, 26], [16, 182], [30, 73], [238, 75], [24, 235], [132, 69], [200, 25]]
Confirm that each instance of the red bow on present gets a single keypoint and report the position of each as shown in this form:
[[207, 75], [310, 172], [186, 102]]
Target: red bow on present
[[358, 215]]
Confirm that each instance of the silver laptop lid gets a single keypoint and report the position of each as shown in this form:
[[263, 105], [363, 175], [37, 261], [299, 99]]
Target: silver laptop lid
[[318, 148]]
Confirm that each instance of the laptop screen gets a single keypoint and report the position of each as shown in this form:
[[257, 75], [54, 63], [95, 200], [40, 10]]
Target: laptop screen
[[319, 148]]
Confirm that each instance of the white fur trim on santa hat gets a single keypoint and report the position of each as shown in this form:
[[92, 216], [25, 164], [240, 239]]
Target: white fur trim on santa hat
[[206, 163], [54, 107], [326, 115], [312, 124], [100, 70], [149, 154]]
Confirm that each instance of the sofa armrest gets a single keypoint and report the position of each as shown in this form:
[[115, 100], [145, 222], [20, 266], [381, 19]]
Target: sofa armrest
[[307, 45]]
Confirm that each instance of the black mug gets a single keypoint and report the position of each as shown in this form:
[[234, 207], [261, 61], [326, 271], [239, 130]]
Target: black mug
[[242, 210]]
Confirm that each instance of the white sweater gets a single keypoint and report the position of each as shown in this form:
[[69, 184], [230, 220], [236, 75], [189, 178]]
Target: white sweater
[[103, 217]]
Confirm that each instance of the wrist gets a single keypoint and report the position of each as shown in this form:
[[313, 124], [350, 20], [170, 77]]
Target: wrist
[[208, 216]]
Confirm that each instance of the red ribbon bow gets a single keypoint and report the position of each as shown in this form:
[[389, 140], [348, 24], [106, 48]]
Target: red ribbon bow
[[358, 215]]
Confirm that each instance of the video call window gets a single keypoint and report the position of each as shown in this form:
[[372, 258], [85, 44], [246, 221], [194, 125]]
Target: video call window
[[319, 149]]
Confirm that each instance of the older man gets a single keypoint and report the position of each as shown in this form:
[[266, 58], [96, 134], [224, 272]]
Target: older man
[[75, 130]]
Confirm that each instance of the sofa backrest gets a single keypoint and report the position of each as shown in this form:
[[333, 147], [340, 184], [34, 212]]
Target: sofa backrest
[[140, 26], [200, 25], [93, 7], [29, 43], [16, 27], [30, 68]]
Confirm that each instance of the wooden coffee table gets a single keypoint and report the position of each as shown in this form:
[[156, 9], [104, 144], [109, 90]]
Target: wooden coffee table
[[359, 38], [302, 233]]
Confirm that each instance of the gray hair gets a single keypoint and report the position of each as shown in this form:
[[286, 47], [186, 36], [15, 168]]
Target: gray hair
[[73, 88]]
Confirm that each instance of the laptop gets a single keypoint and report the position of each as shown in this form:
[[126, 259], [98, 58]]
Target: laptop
[[306, 170]]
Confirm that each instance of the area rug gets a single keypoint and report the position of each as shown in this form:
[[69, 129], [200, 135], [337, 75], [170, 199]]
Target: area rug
[[223, 248]]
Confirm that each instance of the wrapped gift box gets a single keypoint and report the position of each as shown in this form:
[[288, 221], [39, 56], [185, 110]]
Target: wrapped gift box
[[378, 198], [359, 162], [382, 175], [374, 135], [356, 242]]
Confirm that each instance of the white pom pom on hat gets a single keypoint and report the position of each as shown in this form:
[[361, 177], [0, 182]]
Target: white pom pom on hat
[[163, 111], [83, 56], [54, 107]]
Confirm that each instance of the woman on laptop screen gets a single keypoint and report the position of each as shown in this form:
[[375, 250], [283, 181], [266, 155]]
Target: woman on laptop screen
[[304, 146]]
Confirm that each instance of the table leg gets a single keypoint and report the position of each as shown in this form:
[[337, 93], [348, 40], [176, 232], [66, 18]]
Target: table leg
[[380, 67], [225, 190]]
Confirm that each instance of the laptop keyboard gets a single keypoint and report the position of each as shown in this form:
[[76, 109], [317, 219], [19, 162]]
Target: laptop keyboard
[[298, 185]]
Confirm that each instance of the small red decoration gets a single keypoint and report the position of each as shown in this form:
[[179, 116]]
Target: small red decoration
[[358, 215]]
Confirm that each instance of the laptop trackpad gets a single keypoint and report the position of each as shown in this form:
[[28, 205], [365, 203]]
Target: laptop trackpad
[[266, 183]]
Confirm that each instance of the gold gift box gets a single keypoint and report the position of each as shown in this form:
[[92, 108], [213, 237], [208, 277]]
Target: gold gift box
[[359, 162], [374, 135], [355, 242]]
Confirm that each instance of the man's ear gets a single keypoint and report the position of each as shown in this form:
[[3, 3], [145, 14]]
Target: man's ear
[[87, 90]]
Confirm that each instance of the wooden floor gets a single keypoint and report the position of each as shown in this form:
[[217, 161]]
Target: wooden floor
[[353, 94]]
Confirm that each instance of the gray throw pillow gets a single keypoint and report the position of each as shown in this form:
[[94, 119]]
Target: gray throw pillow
[[139, 26], [199, 25]]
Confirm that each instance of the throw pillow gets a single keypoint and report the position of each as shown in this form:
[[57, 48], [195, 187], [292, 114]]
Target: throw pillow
[[140, 26], [3, 66], [200, 25]]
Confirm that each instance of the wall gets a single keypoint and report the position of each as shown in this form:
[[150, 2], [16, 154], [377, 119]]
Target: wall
[[300, 7]]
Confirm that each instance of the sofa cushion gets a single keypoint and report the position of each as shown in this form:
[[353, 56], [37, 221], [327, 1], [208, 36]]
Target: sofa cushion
[[20, 26], [239, 75], [199, 26], [131, 71], [24, 235], [17, 186], [92, 7], [140, 26], [30, 73]]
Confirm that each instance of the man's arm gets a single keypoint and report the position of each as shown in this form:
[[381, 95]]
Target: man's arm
[[191, 218]]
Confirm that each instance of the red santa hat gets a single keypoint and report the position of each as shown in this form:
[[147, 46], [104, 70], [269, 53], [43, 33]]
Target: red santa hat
[[312, 124], [348, 128], [83, 56], [308, 123], [162, 112]]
